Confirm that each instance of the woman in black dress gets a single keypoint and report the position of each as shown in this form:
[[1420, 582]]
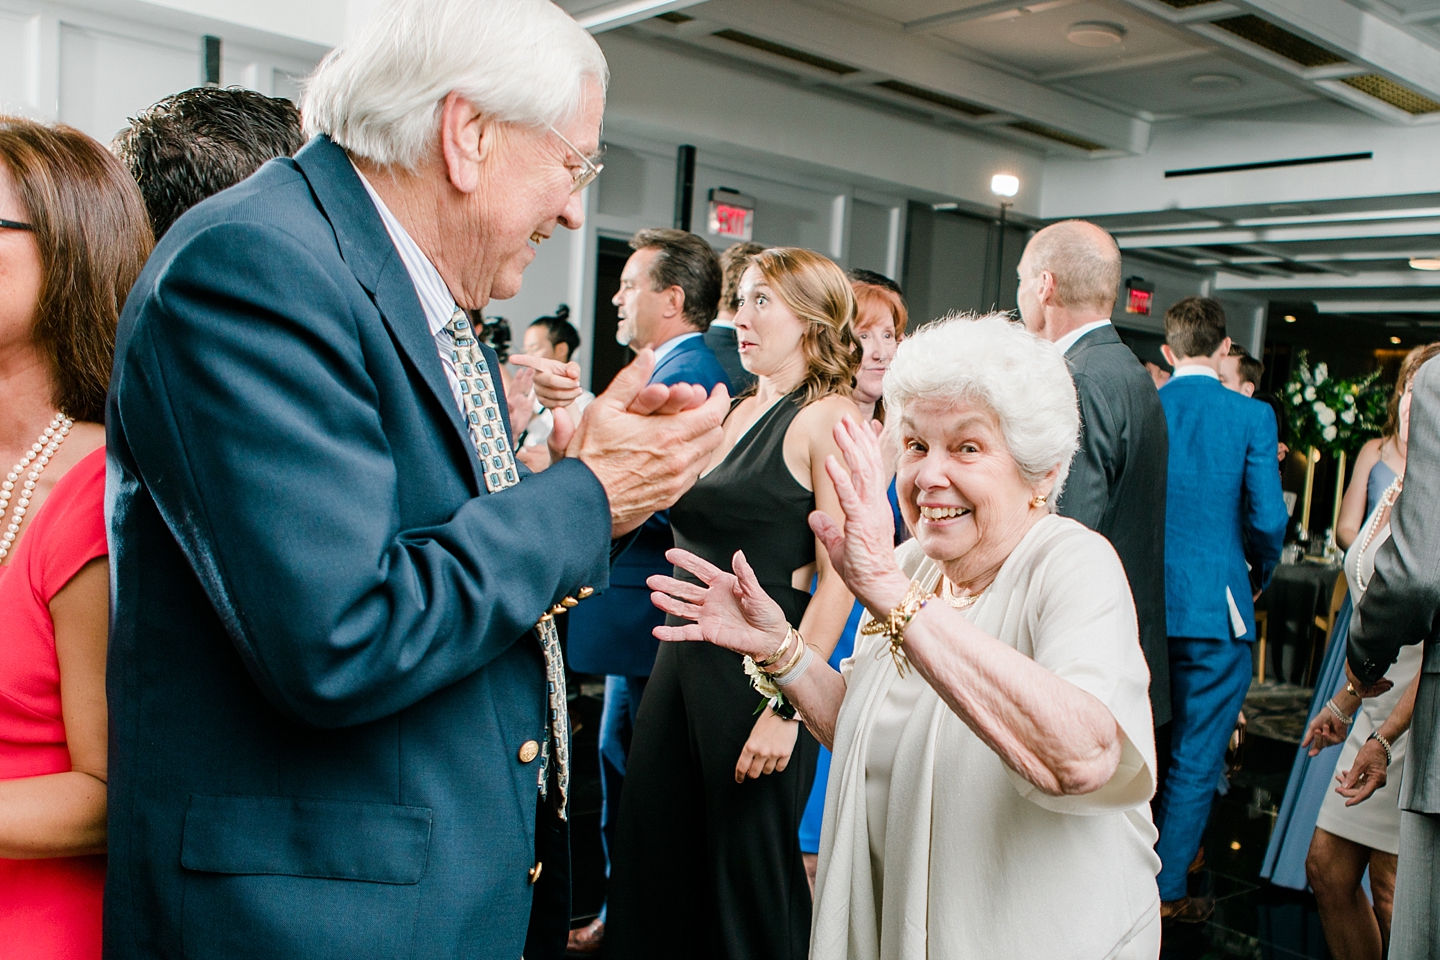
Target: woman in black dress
[[706, 860]]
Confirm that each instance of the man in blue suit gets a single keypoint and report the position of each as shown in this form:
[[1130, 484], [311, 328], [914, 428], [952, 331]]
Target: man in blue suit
[[1225, 523], [668, 293], [338, 721]]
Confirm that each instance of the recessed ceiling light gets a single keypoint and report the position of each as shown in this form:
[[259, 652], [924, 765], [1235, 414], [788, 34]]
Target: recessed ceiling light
[[1004, 185], [1216, 82], [1395, 340], [1425, 263], [1095, 33], [1289, 318]]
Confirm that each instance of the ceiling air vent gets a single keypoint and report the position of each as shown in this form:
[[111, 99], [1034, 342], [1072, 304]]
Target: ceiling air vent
[[789, 53], [1277, 40], [1388, 91], [1059, 136], [939, 99], [675, 17]]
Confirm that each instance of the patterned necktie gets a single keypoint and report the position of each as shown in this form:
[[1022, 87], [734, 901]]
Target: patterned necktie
[[480, 404]]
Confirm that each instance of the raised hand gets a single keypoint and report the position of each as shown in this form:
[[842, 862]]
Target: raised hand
[[731, 610], [1365, 776], [863, 552]]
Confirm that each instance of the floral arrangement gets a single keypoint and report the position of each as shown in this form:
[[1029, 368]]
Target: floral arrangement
[[1331, 414]]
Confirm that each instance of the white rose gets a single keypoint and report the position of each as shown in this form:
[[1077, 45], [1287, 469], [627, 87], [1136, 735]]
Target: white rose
[[1348, 416], [1309, 393], [1323, 413], [1329, 432], [1321, 373]]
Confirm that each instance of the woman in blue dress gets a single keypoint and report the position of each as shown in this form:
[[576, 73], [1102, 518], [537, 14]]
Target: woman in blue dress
[[880, 320], [1380, 461]]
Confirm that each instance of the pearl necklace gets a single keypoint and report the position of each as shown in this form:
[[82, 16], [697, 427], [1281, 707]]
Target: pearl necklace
[[1383, 508], [40, 453]]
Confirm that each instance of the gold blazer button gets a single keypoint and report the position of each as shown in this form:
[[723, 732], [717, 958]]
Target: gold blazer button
[[535, 871], [529, 750]]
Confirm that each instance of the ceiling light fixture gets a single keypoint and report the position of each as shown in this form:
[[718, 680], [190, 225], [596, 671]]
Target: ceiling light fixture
[[1216, 82], [1004, 185], [1395, 340], [1095, 33], [1425, 263], [1289, 318]]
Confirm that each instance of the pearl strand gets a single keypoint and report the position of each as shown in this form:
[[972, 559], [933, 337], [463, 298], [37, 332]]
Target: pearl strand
[[39, 453]]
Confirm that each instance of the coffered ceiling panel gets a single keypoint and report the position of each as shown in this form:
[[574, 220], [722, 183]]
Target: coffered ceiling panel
[[1193, 86]]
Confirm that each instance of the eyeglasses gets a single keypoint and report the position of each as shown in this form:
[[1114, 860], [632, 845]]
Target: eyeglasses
[[589, 169], [17, 225]]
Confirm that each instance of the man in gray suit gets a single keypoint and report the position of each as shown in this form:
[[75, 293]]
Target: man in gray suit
[[1069, 276], [1401, 607]]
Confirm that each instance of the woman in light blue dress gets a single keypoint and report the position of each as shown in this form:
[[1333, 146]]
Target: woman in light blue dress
[[1310, 777]]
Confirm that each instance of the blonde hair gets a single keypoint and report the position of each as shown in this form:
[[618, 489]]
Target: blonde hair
[[818, 292]]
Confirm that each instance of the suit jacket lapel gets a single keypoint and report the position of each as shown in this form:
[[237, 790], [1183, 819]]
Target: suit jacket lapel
[[367, 249]]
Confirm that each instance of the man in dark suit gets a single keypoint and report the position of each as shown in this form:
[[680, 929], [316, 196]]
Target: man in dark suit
[[338, 720], [668, 292], [1224, 526], [720, 337], [1069, 275], [1402, 606]]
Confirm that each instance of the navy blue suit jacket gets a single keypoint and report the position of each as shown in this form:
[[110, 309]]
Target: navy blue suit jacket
[[322, 666], [612, 634], [1223, 507]]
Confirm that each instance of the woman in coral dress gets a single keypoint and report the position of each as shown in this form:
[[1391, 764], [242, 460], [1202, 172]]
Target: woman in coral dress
[[73, 236]]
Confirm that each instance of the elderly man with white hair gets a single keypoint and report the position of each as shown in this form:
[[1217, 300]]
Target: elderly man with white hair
[[338, 701], [992, 735]]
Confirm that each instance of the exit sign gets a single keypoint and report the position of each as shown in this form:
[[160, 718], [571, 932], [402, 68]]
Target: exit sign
[[1139, 296], [732, 215]]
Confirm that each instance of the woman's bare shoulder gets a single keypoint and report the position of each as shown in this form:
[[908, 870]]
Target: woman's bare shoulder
[[824, 413]]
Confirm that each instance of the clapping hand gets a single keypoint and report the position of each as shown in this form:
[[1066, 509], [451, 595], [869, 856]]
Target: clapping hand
[[1365, 776], [863, 552], [731, 610], [557, 384]]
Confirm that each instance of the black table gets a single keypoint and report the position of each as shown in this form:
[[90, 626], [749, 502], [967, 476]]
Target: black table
[[1297, 594]]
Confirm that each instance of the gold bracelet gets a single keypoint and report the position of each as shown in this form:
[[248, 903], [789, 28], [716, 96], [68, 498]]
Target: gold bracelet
[[794, 658], [779, 651], [895, 622]]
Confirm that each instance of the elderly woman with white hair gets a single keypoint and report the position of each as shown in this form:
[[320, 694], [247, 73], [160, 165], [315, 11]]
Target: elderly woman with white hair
[[992, 732]]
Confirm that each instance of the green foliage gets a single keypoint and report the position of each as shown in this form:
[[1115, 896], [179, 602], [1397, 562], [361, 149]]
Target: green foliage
[[1332, 414]]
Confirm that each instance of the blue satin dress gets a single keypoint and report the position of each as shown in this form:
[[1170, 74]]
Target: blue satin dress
[[1311, 776]]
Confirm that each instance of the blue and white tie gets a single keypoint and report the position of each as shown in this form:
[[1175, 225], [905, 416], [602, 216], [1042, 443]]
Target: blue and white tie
[[480, 402]]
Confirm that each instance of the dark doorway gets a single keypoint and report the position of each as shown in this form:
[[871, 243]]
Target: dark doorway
[[607, 357]]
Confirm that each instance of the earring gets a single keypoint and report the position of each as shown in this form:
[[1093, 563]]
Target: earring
[[1038, 502]]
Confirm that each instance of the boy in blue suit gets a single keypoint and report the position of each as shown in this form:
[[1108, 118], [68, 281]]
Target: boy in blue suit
[[1225, 523], [669, 291]]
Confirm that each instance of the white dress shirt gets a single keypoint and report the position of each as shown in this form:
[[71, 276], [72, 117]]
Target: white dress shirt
[[1068, 341], [435, 298], [1194, 370]]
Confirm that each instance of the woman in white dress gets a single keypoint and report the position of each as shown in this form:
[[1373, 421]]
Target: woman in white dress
[[1359, 822], [993, 754]]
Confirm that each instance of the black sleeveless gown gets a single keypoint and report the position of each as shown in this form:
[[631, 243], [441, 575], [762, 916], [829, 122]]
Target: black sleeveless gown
[[703, 866]]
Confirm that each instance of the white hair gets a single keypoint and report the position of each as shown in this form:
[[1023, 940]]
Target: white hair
[[995, 363], [379, 93]]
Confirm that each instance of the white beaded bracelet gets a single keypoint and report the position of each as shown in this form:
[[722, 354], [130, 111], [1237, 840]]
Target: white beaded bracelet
[[795, 672], [1339, 714]]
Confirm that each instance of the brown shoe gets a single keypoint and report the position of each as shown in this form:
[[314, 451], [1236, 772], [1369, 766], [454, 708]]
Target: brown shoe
[[1187, 910], [586, 941]]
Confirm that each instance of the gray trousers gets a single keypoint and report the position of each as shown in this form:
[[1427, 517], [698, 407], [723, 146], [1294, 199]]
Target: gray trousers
[[1415, 929]]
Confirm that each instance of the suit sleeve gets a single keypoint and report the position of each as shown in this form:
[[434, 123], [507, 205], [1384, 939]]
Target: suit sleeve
[[1087, 487], [1401, 605], [246, 402], [1263, 502]]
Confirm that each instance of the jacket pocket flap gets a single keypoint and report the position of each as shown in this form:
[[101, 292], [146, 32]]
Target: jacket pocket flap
[[331, 839]]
